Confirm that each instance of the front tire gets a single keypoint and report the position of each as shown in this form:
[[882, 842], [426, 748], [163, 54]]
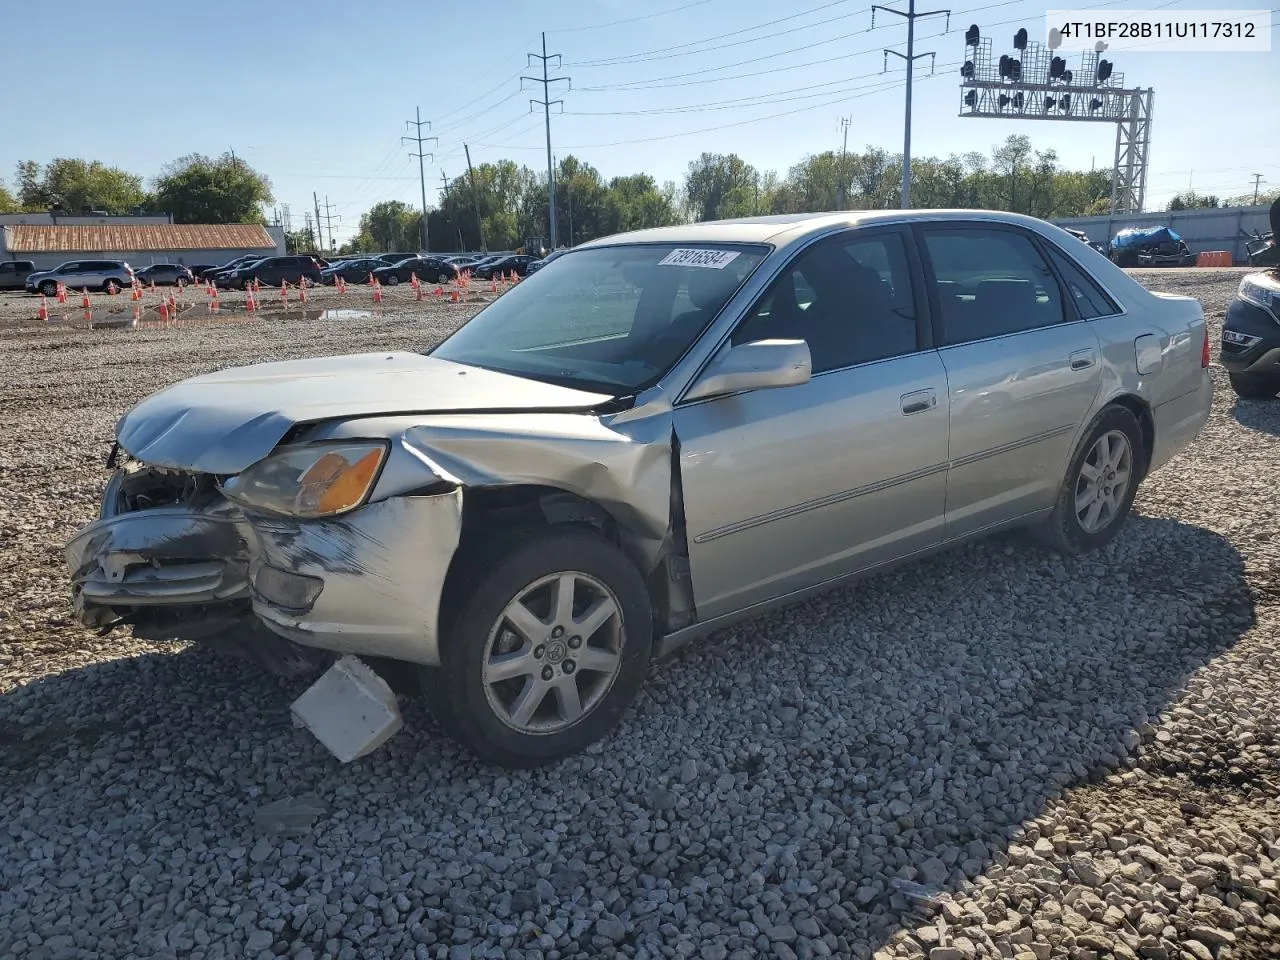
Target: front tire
[[392, 280], [1101, 482], [544, 652], [49, 288], [443, 278], [1255, 386]]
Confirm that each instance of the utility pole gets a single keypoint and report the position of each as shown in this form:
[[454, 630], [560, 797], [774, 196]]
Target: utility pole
[[547, 103], [911, 57], [306, 220], [1257, 181], [475, 198], [328, 219], [844, 149], [419, 139], [316, 200], [444, 184]]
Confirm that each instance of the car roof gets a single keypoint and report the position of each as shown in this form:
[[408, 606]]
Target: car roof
[[785, 229]]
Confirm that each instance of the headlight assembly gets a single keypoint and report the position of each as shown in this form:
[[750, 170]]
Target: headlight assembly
[[310, 480], [1262, 296]]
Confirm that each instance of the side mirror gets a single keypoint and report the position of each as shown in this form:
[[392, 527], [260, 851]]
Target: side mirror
[[755, 366]]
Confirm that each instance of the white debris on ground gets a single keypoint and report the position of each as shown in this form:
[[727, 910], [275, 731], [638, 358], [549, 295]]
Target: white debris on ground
[[997, 752]]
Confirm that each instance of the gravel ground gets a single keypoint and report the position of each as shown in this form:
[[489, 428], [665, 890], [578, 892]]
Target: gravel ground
[[1078, 757]]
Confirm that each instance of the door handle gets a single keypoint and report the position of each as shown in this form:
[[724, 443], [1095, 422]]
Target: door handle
[[918, 401], [1083, 359]]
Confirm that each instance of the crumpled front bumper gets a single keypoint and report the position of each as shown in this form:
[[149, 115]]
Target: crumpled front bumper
[[369, 582]]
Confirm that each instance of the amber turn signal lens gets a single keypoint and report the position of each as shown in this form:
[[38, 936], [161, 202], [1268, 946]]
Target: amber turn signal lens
[[333, 484]]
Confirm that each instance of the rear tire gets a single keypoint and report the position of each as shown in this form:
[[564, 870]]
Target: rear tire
[[1102, 480], [443, 278], [1255, 386], [514, 685], [393, 280], [49, 288], [110, 287]]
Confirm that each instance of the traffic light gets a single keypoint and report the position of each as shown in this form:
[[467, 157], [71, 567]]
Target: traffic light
[[1104, 71], [1020, 39], [971, 98], [967, 70], [971, 36]]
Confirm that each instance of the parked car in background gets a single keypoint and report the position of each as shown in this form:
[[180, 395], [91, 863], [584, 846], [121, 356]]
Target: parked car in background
[[14, 273], [108, 275], [747, 414], [164, 274], [198, 269], [539, 264], [428, 269], [394, 258], [1251, 332], [517, 263], [272, 271], [464, 262], [1084, 238], [210, 272], [356, 270]]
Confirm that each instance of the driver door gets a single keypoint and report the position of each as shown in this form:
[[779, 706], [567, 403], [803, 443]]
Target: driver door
[[789, 487]]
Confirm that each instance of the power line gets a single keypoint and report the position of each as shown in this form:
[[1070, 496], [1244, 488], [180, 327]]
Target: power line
[[546, 102], [647, 16], [664, 53]]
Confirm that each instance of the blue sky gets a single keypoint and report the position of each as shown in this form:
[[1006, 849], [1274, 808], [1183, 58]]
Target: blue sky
[[316, 94]]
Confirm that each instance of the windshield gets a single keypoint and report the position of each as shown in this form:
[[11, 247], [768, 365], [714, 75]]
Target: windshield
[[609, 319]]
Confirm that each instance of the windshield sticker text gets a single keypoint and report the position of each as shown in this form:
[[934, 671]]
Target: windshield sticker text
[[683, 257]]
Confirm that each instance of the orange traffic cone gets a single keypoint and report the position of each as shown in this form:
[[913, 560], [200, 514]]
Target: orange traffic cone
[[249, 303], [84, 299], [302, 289], [342, 284], [493, 284], [173, 306], [454, 297], [164, 311], [43, 312], [62, 293], [88, 316], [284, 292], [377, 291], [439, 292], [137, 313], [413, 279], [137, 292]]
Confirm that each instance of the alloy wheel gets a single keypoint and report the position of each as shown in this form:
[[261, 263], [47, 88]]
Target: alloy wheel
[[1103, 481]]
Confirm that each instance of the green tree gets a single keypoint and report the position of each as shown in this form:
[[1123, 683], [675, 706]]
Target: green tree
[[8, 202], [1190, 200], [718, 186], [1264, 199], [636, 202], [78, 186], [391, 225], [197, 189]]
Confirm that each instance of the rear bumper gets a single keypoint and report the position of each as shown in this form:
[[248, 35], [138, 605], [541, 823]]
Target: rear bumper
[[369, 582], [1179, 421]]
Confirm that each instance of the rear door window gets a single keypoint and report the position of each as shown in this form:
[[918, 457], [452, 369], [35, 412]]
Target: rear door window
[[990, 282], [1089, 299]]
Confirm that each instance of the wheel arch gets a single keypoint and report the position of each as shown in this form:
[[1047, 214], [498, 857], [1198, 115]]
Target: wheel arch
[[1141, 411], [493, 517]]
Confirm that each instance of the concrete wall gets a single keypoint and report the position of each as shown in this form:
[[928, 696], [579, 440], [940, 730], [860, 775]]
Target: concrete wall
[[1211, 229]]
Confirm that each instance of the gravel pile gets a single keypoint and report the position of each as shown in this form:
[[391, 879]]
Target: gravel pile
[[996, 752]]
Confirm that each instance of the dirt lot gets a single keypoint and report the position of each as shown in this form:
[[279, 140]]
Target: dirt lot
[[1080, 755]]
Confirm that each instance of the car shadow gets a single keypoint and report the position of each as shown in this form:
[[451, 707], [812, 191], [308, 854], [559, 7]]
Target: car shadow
[[901, 727], [1260, 415]]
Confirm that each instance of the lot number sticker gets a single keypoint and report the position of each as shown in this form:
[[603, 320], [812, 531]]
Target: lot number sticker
[[714, 259]]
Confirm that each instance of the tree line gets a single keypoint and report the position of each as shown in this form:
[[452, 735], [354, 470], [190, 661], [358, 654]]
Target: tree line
[[193, 189], [503, 205]]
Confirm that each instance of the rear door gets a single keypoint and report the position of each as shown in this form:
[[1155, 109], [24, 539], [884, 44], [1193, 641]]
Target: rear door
[[790, 487], [1023, 371]]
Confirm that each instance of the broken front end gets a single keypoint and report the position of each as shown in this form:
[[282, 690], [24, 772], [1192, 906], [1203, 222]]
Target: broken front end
[[174, 557]]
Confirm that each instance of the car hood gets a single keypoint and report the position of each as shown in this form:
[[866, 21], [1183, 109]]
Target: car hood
[[225, 421]]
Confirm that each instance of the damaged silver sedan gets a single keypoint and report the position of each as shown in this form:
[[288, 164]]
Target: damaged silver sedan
[[657, 434]]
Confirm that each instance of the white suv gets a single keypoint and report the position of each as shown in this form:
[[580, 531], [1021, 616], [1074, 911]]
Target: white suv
[[108, 275]]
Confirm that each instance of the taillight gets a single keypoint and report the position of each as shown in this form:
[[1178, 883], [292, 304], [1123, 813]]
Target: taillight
[[1204, 350]]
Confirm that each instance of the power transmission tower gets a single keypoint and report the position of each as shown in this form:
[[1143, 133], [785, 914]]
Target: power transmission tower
[[419, 139], [844, 149], [444, 184], [285, 218], [547, 103], [328, 219], [475, 199], [319, 240], [1257, 181], [307, 229], [910, 57]]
